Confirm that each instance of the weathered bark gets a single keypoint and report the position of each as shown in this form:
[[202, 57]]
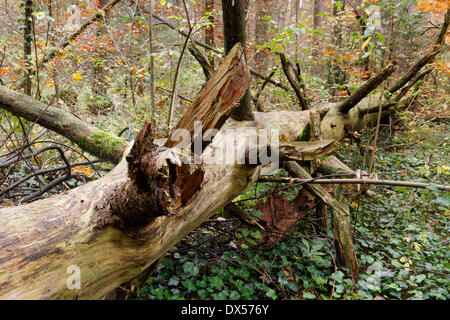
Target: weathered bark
[[118, 226], [366, 88], [345, 251], [316, 135], [104, 228], [95, 141], [219, 94], [125, 220], [306, 151], [110, 237], [427, 59], [440, 40]]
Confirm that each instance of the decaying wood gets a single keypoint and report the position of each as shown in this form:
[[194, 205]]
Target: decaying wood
[[427, 59], [306, 150], [118, 226], [112, 238], [342, 233], [366, 88], [418, 77], [103, 234], [217, 99], [341, 219], [75, 228], [316, 135]]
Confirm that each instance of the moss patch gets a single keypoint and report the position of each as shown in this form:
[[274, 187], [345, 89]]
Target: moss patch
[[103, 144], [305, 134]]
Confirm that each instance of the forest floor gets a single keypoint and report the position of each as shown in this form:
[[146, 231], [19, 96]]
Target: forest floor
[[401, 235]]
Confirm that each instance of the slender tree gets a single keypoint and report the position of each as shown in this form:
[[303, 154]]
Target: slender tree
[[261, 29], [234, 32], [151, 66], [27, 44]]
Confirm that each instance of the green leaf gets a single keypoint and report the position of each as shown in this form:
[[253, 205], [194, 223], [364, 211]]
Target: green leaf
[[309, 295], [216, 282], [271, 294], [174, 281], [189, 284], [190, 268]]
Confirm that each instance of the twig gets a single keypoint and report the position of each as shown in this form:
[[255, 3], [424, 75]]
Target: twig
[[294, 84], [321, 180]]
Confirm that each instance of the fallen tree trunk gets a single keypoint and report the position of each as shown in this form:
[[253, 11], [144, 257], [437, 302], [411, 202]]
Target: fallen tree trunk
[[140, 207], [105, 228], [345, 251], [102, 144], [114, 228], [110, 237]]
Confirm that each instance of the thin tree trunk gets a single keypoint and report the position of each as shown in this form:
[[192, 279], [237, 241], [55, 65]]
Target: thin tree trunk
[[151, 68], [234, 32], [27, 44], [261, 29]]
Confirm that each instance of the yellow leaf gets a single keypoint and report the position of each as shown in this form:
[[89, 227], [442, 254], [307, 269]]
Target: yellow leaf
[[366, 43], [49, 84], [84, 171], [77, 77], [423, 237]]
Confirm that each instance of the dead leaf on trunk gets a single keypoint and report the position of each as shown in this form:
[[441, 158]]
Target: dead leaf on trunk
[[280, 215]]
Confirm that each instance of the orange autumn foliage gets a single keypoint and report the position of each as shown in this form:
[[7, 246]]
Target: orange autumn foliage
[[434, 6]]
